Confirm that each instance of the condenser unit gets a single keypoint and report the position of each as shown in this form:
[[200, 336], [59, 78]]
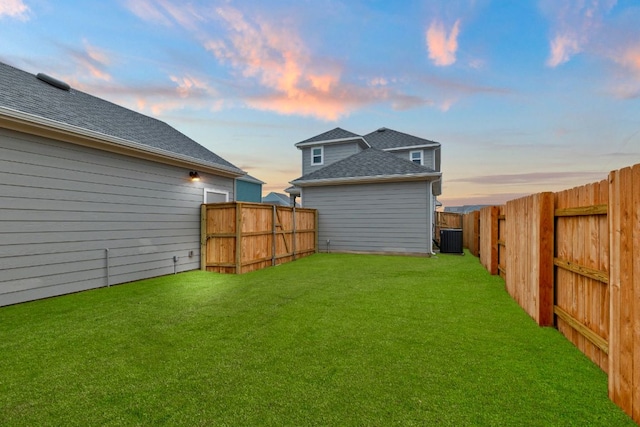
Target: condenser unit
[[451, 241]]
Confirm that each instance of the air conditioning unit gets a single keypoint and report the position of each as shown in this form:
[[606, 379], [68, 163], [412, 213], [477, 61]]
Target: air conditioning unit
[[451, 241]]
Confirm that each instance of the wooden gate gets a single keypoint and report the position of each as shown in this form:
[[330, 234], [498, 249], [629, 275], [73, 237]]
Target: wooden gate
[[241, 237]]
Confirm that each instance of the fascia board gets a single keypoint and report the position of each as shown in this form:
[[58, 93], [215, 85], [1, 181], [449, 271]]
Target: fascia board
[[431, 176], [301, 145], [413, 147]]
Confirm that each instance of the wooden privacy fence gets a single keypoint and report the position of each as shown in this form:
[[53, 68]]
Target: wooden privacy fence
[[471, 232], [572, 260], [446, 220], [242, 237]]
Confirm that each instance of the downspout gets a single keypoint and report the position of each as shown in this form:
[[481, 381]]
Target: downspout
[[106, 250], [432, 211]]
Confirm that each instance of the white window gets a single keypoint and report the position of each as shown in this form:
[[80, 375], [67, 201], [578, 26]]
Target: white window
[[416, 157], [213, 195], [317, 156]]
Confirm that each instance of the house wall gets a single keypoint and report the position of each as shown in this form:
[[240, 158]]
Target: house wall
[[248, 191], [62, 206], [332, 153], [384, 217], [428, 156]]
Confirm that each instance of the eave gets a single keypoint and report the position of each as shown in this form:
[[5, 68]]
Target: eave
[[427, 176], [413, 147], [35, 125], [360, 139]]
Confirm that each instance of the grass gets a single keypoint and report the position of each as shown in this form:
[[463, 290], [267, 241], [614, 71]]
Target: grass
[[327, 340]]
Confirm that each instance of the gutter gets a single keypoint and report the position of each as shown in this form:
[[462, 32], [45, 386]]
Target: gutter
[[412, 147], [21, 121], [367, 179]]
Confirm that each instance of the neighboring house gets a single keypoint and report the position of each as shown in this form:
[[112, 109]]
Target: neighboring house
[[93, 194], [374, 193], [248, 189], [277, 199]]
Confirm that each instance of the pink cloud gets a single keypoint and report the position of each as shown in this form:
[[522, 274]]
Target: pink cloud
[[575, 25], [147, 10], [181, 93], [165, 13], [442, 46], [14, 9], [563, 47], [277, 57], [274, 68], [630, 58]]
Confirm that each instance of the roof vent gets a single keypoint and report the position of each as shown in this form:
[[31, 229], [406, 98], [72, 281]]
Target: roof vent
[[382, 129], [53, 82]]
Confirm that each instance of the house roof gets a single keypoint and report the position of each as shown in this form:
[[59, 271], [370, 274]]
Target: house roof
[[387, 139], [63, 107], [370, 164], [273, 197], [383, 138], [249, 178], [333, 134]]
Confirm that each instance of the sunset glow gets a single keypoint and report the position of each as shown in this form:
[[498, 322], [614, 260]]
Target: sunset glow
[[527, 96]]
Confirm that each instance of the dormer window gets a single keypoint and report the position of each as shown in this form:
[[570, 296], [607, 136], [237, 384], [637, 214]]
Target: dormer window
[[416, 157], [317, 156]]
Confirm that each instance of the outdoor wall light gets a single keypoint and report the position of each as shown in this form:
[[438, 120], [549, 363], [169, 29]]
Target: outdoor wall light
[[194, 176]]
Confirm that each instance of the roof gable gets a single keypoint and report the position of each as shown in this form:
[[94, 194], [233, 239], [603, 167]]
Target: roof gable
[[24, 92], [385, 139], [331, 135], [274, 197]]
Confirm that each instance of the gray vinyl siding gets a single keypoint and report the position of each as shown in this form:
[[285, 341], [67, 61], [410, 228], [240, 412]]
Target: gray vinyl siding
[[385, 217], [63, 205], [332, 153], [428, 156]]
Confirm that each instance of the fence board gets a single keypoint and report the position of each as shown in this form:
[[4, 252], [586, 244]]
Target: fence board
[[446, 220], [489, 231], [502, 239], [529, 262], [624, 342], [243, 237], [471, 232], [581, 278]]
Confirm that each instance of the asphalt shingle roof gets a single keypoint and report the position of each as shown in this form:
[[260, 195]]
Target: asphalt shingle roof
[[384, 138], [23, 91], [337, 133], [367, 163]]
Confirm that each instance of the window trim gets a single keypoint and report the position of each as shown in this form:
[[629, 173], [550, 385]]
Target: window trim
[[421, 152], [313, 156], [214, 190]]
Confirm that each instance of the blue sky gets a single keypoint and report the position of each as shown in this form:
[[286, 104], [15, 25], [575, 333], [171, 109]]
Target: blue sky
[[524, 96]]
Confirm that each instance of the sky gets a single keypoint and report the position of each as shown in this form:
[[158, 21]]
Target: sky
[[524, 96]]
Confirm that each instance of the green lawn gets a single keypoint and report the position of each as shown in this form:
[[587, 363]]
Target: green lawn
[[327, 340]]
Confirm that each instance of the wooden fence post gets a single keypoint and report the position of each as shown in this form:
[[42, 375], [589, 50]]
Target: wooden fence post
[[238, 238], [471, 232], [203, 237], [489, 238], [273, 235], [624, 282], [529, 245]]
